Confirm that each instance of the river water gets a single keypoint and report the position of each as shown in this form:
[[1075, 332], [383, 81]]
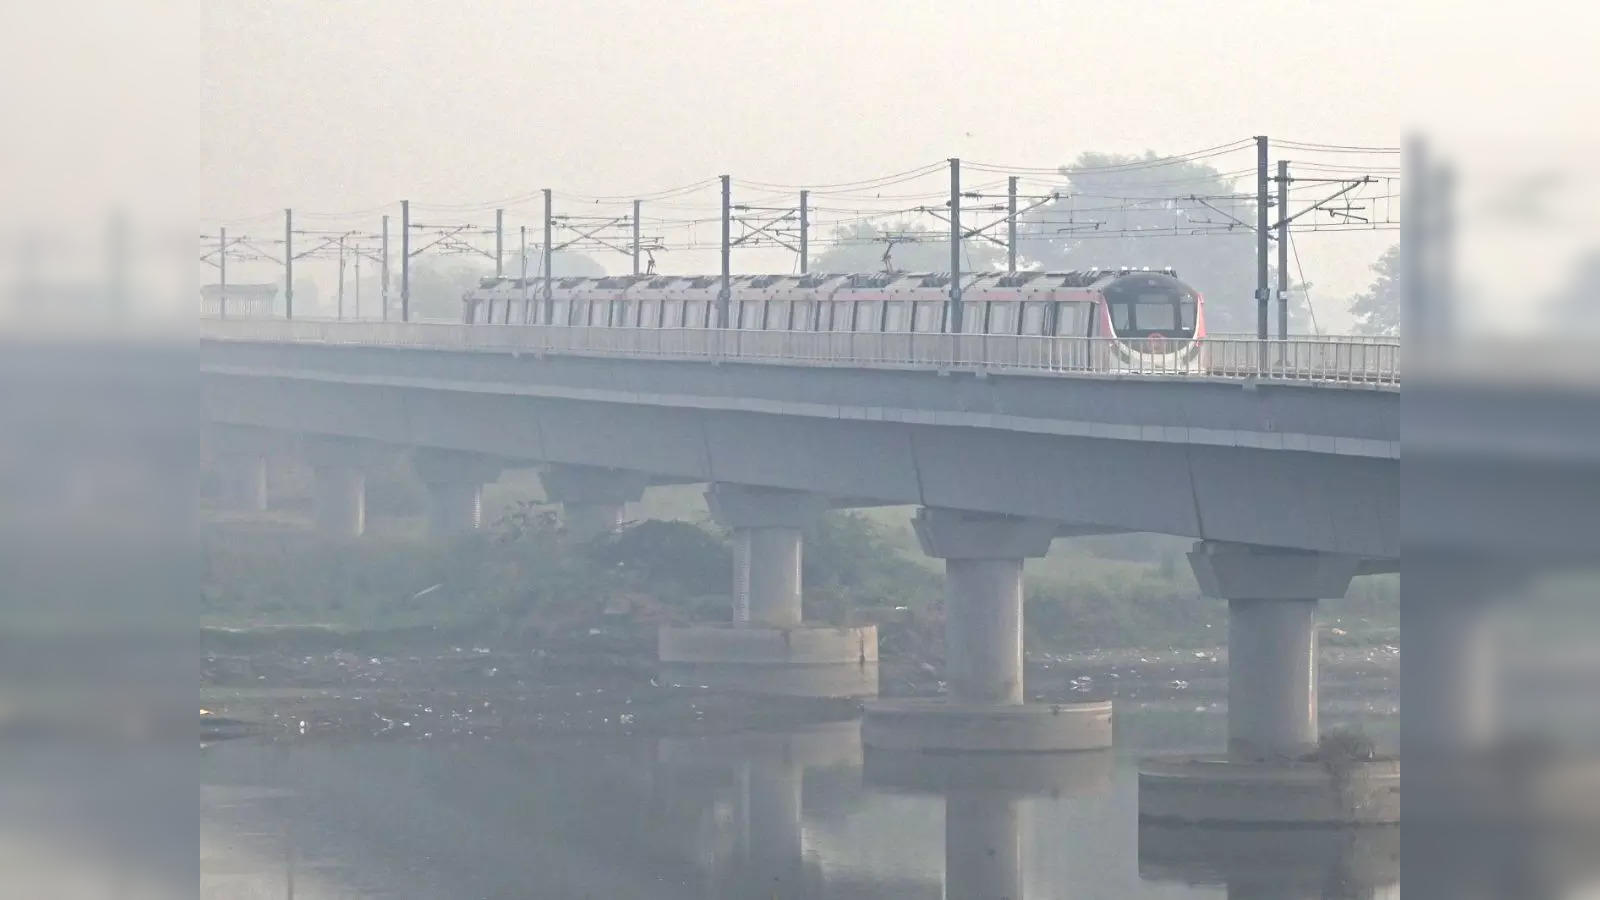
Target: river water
[[804, 813]]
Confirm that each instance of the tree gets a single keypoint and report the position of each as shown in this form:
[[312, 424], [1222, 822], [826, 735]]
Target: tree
[[902, 246], [1126, 210], [1377, 311]]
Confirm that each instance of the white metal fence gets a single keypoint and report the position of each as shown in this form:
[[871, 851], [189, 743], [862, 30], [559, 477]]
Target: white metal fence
[[1310, 359]]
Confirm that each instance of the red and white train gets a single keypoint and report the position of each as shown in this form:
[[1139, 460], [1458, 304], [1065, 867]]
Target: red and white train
[[1146, 311]]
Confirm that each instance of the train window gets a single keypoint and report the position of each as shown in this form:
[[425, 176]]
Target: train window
[[1071, 319], [1186, 310], [843, 315], [694, 314], [598, 312], [777, 315], [750, 314], [869, 315], [927, 318], [894, 316], [1157, 316], [1121, 317], [672, 314], [1003, 317], [973, 317], [622, 312], [1033, 318], [801, 320], [559, 313], [648, 312]]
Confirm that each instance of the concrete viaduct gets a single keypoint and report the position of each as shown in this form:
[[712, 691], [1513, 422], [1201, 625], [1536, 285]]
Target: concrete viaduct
[[1289, 486]]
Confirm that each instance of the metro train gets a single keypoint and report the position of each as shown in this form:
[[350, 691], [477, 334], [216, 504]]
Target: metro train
[[1147, 311]]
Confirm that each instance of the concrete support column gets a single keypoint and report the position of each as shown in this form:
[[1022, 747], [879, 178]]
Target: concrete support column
[[340, 466], [766, 576], [1272, 643], [768, 646], [245, 481], [593, 500], [982, 845], [340, 502], [1447, 668], [1272, 677], [454, 507], [240, 455], [454, 481], [983, 597], [766, 524], [984, 710], [983, 629], [1270, 775]]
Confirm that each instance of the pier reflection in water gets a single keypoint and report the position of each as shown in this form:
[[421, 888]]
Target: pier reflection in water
[[801, 814]]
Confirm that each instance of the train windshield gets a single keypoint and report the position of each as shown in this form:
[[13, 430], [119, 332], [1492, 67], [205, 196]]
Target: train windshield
[[1142, 305]]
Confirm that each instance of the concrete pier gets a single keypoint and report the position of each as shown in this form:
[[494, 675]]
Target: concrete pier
[[1272, 678], [340, 467], [454, 484], [766, 576], [1447, 668], [1271, 773], [240, 457], [244, 481], [593, 500], [340, 501], [983, 650], [983, 630], [768, 646]]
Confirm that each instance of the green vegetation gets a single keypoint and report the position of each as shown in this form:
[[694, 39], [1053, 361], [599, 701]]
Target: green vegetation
[[524, 577]]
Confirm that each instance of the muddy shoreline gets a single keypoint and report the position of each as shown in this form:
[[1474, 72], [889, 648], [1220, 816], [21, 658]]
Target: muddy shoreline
[[607, 682]]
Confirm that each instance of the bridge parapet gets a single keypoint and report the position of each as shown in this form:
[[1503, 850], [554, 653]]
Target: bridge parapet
[[1373, 364]]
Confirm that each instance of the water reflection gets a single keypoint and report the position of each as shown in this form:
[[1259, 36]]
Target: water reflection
[[800, 814], [1277, 863]]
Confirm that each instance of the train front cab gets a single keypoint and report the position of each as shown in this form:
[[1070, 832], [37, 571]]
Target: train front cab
[[1156, 319]]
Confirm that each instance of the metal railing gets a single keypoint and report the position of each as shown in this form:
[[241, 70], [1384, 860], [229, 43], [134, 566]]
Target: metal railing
[[1311, 359]]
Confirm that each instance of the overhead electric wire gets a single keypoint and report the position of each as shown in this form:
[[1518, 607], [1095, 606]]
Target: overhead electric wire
[[867, 182]]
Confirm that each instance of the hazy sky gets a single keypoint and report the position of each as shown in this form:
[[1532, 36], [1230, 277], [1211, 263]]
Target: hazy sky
[[349, 105]]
